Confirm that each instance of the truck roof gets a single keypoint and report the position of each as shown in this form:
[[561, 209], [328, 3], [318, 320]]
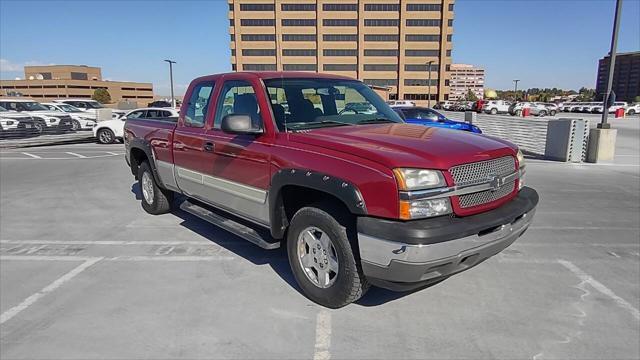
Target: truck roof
[[280, 74]]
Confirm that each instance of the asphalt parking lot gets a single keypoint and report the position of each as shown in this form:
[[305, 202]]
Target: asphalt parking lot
[[86, 273]]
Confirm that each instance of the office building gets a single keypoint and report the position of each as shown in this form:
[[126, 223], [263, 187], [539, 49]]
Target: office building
[[466, 77], [626, 76], [384, 43], [73, 81]]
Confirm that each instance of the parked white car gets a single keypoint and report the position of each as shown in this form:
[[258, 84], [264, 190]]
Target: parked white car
[[633, 109], [82, 120], [496, 107], [552, 109], [616, 105], [46, 120], [107, 132], [393, 103], [90, 106]]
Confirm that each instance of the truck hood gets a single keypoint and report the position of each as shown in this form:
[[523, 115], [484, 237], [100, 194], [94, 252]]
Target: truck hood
[[406, 145]]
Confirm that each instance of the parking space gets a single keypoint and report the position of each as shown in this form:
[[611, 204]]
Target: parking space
[[86, 273]]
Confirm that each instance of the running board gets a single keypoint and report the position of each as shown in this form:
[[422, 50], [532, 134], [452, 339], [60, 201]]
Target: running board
[[229, 225]]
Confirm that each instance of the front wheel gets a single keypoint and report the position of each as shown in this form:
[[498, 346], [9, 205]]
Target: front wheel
[[494, 111], [106, 136], [322, 259], [518, 112], [542, 114], [553, 113], [632, 112], [155, 200], [75, 125]]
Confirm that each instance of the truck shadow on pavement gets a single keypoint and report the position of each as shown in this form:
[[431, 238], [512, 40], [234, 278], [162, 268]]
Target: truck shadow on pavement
[[277, 259]]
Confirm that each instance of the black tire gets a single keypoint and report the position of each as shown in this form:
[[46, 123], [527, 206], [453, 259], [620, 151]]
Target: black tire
[[631, 112], [105, 136], [40, 126], [350, 283], [552, 113], [494, 111], [542, 113], [518, 112], [160, 200]]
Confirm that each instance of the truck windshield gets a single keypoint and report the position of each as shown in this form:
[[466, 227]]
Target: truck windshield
[[299, 104]]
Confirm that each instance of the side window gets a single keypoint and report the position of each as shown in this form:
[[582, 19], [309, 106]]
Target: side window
[[136, 115], [237, 97], [166, 114], [155, 114], [198, 104]]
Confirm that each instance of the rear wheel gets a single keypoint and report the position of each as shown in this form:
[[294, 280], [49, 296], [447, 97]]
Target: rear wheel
[[518, 112], [322, 259], [154, 199], [106, 136], [552, 113], [631, 112], [494, 111], [542, 113]]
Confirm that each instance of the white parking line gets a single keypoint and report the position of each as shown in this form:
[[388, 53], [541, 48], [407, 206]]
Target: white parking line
[[104, 242], [600, 287], [76, 155], [31, 155], [323, 336], [47, 289]]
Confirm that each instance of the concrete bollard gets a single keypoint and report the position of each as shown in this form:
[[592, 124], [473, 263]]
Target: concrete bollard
[[602, 145]]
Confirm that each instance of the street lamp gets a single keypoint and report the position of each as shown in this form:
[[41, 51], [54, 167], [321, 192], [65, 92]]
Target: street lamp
[[515, 90], [173, 100], [429, 83], [612, 64]]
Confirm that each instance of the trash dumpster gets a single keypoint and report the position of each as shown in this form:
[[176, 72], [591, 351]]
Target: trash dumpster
[[619, 112]]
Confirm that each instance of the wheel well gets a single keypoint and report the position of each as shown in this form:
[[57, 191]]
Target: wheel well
[[137, 157], [295, 197]]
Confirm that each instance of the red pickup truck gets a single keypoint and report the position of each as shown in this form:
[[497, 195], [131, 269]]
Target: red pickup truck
[[358, 197]]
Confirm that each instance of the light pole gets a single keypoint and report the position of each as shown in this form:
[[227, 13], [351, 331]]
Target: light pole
[[612, 64], [173, 99], [515, 90], [429, 83]]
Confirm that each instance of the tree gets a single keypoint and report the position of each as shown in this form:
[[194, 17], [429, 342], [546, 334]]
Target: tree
[[102, 96], [636, 99], [471, 96]]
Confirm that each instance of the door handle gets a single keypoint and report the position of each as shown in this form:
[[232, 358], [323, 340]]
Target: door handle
[[209, 147]]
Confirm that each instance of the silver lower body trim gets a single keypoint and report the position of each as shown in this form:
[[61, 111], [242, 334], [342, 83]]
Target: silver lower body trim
[[382, 252]]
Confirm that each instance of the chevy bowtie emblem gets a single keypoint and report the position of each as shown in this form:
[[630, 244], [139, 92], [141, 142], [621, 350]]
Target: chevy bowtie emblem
[[496, 181]]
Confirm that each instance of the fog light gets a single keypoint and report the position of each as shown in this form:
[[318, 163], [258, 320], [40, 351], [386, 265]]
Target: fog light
[[423, 208]]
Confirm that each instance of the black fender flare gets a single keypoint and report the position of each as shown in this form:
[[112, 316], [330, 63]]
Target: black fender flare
[[145, 146], [344, 190]]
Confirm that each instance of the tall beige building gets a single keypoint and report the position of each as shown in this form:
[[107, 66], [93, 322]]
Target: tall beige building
[[466, 77], [381, 42]]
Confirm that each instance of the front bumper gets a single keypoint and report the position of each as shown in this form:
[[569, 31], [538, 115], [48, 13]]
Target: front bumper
[[406, 255]]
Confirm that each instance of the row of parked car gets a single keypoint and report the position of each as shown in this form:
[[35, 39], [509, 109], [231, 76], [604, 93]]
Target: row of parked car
[[535, 108], [596, 107]]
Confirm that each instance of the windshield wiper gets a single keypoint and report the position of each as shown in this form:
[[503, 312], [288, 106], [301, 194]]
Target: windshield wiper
[[316, 125], [373, 121]]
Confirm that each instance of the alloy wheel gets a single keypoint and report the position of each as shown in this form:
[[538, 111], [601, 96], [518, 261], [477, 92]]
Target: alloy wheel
[[147, 187], [318, 257]]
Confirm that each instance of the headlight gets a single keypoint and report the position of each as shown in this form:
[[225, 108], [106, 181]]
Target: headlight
[[423, 208], [52, 120], [520, 158], [521, 170], [418, 179]]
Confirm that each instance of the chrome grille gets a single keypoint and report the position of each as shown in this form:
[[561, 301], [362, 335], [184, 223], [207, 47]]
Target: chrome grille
[[480, 172]]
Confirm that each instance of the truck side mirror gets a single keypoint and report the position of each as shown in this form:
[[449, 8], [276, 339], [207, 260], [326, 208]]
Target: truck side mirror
[[239, 124]]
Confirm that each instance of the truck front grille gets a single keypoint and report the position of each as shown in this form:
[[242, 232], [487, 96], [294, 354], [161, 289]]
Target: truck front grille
[[481, 172]]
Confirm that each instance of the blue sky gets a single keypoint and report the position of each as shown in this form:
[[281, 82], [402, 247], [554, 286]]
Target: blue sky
[[544, 43]]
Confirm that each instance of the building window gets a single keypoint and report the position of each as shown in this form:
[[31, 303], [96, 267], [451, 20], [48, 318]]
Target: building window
[[340, 7], [233, 37], [234, 67], [381, 38], [420, 82], [129, 88], [258, 52], [298, 7], [423, 7], [381, 22], [421, 53], [422, 38], [299, 67], [380, 67], [340, 52], [448, 67], [230, 6], [381, 82], [423, 22], [299, 52], [257, 7], [257, 22], [298, 37], [448, 52], [233, 52], [46, 75], [298, 22], [231, 22], [449, 37], [381, 7], [450, 22], [379, 52], [420, 67], [340, 37], [420, 96], [258, 37], [339, 22], [450, 7], [79, 76], [259, 67], [340, 67], [446, 83]]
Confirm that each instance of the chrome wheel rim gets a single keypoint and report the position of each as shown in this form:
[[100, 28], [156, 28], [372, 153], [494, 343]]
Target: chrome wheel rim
[[317, 257], [75, 125], [105, 137], [147, 187]]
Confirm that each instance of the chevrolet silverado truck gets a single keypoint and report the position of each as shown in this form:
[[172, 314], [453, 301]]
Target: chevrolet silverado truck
[[357, 198]]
